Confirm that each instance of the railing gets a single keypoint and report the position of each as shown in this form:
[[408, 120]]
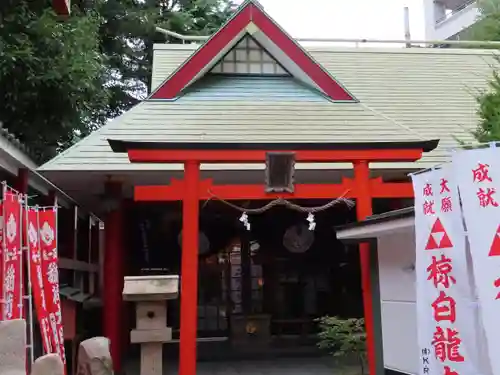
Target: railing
[[78, 265], [454, 11], [356, 42]]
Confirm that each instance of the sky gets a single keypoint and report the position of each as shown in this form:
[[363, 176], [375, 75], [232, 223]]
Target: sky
[[347, 19]]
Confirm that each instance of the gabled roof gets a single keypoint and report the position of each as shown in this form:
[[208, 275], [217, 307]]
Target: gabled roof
[[250, 120], [251, 19], [405, 95]]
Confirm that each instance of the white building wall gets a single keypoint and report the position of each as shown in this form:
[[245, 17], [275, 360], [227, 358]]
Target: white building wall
[[396, 257], [442, 23]]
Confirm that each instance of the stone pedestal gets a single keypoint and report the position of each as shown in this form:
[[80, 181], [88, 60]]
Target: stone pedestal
[[94, 357], [49, 364], [13, 347], [150, 293]]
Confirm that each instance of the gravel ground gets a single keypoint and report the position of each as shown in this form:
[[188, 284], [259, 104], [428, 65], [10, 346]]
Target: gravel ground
[[280, 366]]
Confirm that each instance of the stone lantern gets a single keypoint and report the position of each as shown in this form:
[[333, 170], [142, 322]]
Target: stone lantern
[[150, 294]]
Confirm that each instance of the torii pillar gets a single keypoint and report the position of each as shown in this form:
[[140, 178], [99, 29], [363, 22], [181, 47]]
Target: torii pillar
[[189, 269]]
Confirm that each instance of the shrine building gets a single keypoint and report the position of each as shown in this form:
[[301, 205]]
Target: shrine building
[[233, 123], [78, 257]]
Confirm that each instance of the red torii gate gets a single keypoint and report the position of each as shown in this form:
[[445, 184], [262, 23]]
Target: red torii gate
[[191, 190]]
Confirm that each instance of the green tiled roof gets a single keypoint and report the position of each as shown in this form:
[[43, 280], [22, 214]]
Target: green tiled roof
[[404, 94]]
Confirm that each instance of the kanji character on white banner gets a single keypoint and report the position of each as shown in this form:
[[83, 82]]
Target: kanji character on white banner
[[478, 176], [445, 309]]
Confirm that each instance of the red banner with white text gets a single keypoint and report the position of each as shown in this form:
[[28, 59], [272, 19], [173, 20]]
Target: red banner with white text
[[1, 261], [48, 245], [37, 278], [12, 256]]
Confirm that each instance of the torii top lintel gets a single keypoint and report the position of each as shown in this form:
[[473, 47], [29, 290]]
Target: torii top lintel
[[170, 152], [251, 19]]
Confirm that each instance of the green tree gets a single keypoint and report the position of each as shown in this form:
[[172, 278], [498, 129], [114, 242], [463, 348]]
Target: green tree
[[60, 79], [343, 338], [51, 75], [488, 129], [128, 33], [488, 29]]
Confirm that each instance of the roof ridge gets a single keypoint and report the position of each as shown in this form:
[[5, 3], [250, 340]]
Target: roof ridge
[[16, 142], [360, 49], [381, 114]]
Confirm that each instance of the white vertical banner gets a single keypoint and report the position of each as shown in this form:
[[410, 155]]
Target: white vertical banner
[[445, 303], [478, 176]]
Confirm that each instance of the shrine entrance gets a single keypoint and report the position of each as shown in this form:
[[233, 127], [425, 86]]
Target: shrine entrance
[[265, 286], [280, 162]]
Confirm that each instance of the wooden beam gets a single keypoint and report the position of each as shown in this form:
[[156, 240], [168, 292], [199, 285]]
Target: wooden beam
[[380, 189], [77, 265], [207, 190], [259, 156]]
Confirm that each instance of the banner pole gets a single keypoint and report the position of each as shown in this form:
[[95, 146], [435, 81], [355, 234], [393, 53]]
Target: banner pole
[[20, 252], [56, 250], [22, 288], [30, 288]]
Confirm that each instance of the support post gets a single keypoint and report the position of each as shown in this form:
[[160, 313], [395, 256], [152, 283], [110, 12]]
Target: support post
[[113, 284], [363, 210], [50, 199], [189, 269], [21, 184]]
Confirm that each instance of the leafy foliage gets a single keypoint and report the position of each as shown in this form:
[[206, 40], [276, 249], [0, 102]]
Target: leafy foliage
[[488, 29], [343, 337], [488, 129], [51, 74], [60, 79], [128, 33]]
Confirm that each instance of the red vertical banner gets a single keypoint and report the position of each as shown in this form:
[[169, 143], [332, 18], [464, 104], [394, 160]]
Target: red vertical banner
[[12, 251], [37, 284], [48, 245], [1, 260]]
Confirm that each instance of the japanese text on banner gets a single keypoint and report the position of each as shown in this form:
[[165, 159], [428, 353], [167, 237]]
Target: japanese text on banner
[[447, 341], [12, 256], [478, 177], [37, 276], [48, 246]]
